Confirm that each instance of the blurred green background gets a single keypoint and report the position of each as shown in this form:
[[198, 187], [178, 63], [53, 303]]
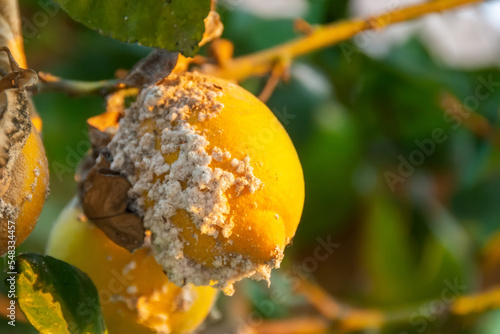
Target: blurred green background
[[355, 119]]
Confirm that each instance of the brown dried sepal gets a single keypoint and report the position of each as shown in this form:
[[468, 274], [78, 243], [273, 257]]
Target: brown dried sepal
[[103, 195]]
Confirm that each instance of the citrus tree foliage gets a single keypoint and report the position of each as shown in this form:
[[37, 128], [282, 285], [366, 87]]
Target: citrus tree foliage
[[172, 25], [57, 297]]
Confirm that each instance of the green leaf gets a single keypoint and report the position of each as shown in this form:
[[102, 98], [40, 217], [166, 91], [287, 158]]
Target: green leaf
[[57, 297], [387, 249], [330, 158], [489, 323], [171, 25]]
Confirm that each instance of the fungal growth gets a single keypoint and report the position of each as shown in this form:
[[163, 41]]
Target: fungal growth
[[209, 191]]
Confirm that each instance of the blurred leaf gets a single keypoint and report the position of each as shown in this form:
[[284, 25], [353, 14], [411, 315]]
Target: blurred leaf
[[172, 25], [329, 159], [489, 323], [264, 300], [387, 250], [251, 33], [438, 264], [397, 258], [400, 107], [57, 297], [334, 9], [477, 206], [413, 59]]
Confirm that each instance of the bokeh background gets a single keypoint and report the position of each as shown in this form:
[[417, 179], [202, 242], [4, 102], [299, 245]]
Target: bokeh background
[[398, 134]]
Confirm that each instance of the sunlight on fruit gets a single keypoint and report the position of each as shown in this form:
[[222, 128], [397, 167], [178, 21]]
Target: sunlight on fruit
[[26, 190], [216, 177], [135, 294]]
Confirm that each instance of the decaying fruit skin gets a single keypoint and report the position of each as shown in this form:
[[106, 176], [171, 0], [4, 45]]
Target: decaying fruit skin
[[218, 152], [24, 174], [23, 190], [135, 295]]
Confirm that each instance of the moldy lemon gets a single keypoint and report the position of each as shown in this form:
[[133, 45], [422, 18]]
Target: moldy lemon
[[135, 295], [24, 174], [215, 176]]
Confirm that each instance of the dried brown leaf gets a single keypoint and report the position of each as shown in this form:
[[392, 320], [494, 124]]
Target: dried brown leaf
[[107, 195], [213, 27], [103, 194], [125, 230]]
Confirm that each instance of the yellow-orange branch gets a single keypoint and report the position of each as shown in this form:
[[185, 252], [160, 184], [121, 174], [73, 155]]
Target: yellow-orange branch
[[262, 62], [347, 318]]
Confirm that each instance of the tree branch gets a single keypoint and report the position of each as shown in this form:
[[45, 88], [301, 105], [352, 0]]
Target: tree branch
[[52, 83], [262, 62], [346, 318]]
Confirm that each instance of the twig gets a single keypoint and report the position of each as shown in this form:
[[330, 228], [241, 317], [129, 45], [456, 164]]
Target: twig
[[279, 71], [301, 25], [52, 83], [347, 318], [478, 303], [263, 62], [473, 121], [306, 325], [323, 36]]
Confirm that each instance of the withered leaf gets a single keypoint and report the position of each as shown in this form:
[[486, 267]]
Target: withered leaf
[[107, 196], [18, 77], [103, 195], [213, 27], [153, 68], [125, 230]]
